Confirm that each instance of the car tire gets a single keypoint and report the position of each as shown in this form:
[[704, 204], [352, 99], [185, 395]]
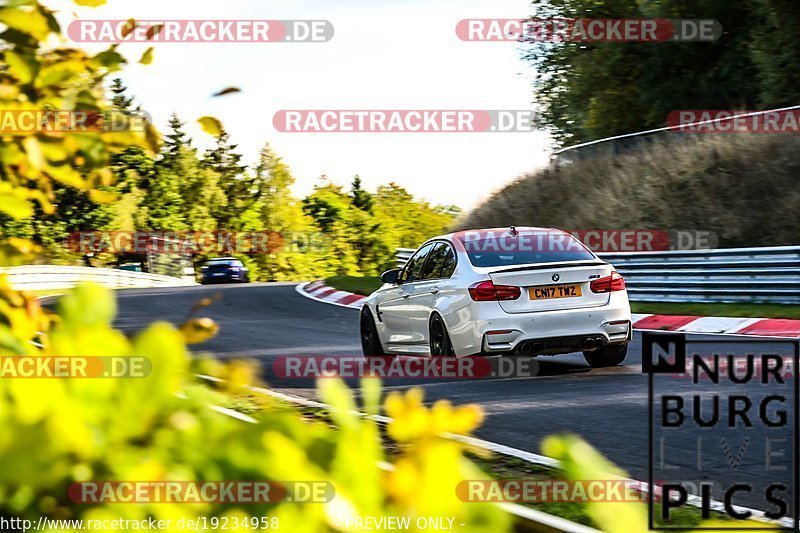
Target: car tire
[[439, 339], [370, 342], [608, 355]]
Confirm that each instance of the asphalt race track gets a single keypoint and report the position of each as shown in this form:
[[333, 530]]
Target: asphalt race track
[[608, 407]]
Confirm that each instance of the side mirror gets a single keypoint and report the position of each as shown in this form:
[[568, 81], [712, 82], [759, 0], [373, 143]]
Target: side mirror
[[391, 276]]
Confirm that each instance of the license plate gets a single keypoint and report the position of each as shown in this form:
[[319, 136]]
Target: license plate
[[547, 292], [218, 274]]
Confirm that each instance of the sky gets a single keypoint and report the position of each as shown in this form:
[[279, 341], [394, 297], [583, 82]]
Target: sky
[[399, 54]]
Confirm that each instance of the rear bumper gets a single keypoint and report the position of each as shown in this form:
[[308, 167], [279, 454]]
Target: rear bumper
[[483, 327], [560, 345], [227, 278]]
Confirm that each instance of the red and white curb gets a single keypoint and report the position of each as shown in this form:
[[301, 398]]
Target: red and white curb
[[317, 290], [762, 327]]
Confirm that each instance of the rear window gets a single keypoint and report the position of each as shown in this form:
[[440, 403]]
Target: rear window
[[525, 248], [224, 262]]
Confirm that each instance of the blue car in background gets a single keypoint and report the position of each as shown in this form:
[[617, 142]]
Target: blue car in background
[[224, 270]]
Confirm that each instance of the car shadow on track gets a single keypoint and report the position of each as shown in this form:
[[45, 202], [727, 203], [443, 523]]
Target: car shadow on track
[[302, 371]]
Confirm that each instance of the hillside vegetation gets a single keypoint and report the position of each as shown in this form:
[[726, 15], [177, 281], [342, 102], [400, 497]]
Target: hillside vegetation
[[742, 187], [590, 90]]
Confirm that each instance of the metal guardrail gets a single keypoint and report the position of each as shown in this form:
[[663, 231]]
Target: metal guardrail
[[55, 277], [769, 275], [402, 255], [755, 275]]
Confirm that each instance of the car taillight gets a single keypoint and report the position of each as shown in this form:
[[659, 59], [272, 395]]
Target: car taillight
[[485, 291], [611, 283]]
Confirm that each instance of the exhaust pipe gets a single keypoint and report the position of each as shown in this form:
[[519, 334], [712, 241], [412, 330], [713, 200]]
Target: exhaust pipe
[[524, 348], [538, 347], [590, 343]]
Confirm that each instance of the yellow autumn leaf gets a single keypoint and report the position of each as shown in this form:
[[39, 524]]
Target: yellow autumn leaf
[[42, 199], [147, 56], [34, 152], [198, 330], [211, 125], [15, 206], [90, 3], [66, 175], [8, 91], [15, 252], [23, 68], [28, 21], [103, 197]]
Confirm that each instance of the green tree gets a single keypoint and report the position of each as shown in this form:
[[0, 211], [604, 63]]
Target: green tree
[[407, 222], [174, 140], [120, 100], [134, 171], [237, 186], [775, 51], [292, 248], [133, 168], [361, 198], [586, 91], [326, 204], [279, 210], [203, 198]]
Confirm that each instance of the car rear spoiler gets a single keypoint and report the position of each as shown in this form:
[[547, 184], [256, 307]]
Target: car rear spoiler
[[544, 266]]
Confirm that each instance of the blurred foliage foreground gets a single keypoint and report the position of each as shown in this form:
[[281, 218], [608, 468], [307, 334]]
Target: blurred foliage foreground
[[160, 428]]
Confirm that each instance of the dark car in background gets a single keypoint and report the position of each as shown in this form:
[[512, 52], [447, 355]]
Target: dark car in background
[[224, 270]]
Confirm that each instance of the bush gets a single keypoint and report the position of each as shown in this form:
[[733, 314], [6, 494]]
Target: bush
[[161, 427], [741, 187]]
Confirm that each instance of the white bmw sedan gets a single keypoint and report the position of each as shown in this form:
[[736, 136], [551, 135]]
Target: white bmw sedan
[[510, 291]]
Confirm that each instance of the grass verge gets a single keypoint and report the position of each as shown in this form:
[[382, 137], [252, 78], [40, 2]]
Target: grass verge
[[359, 285]]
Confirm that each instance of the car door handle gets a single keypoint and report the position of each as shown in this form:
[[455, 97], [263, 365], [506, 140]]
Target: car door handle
[[435, 291], [406, 296]]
